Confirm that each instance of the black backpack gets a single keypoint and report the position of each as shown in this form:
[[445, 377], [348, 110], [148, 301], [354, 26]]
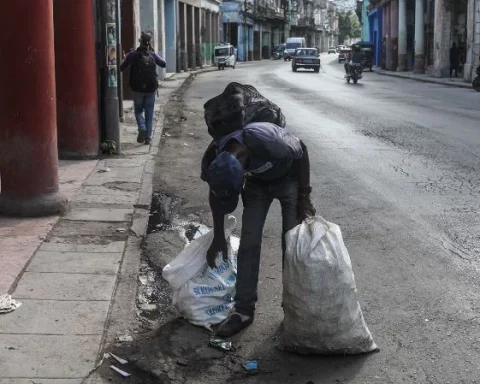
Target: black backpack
[[143, 74], [237, 106]]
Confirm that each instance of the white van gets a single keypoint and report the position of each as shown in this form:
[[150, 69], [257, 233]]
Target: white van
[[225, 55], [291, 46]]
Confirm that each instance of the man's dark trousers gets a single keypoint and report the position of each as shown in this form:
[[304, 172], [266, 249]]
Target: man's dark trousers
[[257, 197]]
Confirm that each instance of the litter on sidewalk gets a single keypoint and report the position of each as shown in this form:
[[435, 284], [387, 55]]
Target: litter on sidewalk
[[106, 169], [7, 304], [124, 338], [251, 365], [221, 344], [106, 356], [119, 359], [118, 370]]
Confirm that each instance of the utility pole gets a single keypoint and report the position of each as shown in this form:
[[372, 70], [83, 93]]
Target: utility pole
[[109, 71], [118, 20]]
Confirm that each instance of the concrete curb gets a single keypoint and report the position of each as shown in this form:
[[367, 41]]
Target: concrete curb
[[209, 69], [423, 80], [123, 305]]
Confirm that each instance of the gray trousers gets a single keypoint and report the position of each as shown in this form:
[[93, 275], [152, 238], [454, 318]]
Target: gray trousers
[[257, 198]]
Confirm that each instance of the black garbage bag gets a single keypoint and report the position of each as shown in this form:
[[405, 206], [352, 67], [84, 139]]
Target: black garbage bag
[[237, 106]]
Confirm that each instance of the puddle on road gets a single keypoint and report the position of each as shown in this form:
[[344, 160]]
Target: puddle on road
[[154, 294], [162, 212], [163, 217]]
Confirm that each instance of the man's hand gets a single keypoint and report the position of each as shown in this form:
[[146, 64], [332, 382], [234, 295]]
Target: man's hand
[[305, 207], [219, 245]]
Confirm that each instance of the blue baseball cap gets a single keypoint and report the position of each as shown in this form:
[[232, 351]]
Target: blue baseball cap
[[225, 178]]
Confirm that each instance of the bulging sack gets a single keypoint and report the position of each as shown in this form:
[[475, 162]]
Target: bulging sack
[[237, 106], [203, 295], [322, 314]]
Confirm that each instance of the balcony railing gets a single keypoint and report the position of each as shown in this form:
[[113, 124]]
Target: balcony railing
[[266, 12], [306, 22]]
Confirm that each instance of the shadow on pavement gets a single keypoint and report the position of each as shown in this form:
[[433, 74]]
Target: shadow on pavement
[[278, 366]]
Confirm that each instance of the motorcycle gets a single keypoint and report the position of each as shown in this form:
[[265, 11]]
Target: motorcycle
[[277, 52], [476, 80], [476, 83], [354, 73], [277, 55]]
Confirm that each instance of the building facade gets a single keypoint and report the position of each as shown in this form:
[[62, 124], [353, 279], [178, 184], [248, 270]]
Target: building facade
[[362, 7], [418, 34], [375, 26], [323, 28], [255, 27], [472, 45], [302, 22], [325, 33]]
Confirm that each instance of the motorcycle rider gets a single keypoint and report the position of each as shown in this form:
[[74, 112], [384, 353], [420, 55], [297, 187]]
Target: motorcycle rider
[[356, 58], [476, 79]]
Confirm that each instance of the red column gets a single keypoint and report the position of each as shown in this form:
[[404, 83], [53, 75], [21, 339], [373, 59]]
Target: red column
[[28, 137], [76, 79]]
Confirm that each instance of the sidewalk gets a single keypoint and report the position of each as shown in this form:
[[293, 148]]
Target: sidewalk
[[426, 78], [65, 270], [19, 238]]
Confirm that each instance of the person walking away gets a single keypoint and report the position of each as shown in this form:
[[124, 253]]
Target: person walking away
[[454, 59], [356, 57], [346, 65], [262, 162], [144, 84]]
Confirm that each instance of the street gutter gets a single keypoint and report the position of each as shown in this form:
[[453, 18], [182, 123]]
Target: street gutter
[[426, 79], [122, 313]]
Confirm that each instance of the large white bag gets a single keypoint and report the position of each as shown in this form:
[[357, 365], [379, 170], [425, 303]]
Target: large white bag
[[203, 295], [322, 314]]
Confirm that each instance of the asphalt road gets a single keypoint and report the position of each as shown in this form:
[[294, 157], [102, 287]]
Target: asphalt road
[[396, 163]]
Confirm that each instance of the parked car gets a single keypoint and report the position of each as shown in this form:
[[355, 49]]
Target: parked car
[[291, 45], [332, 50], [344, 52], [306, 58]]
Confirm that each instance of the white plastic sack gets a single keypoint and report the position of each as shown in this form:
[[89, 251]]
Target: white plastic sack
[[203, 295], [322, 314]]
